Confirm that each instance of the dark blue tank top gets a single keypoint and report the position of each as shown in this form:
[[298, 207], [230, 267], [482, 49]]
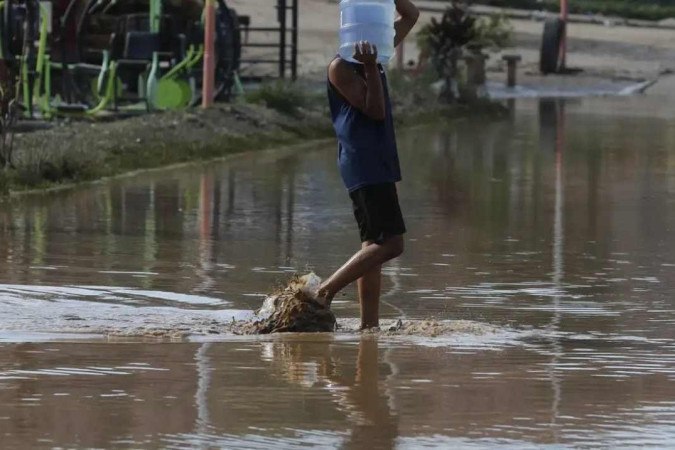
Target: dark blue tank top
[[367, 151]]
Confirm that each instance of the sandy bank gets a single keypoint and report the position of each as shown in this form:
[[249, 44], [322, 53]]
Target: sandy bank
[[604, 52], [71, 153]]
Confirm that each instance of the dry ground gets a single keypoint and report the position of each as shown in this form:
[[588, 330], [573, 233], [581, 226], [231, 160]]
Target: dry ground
[[603, 52]]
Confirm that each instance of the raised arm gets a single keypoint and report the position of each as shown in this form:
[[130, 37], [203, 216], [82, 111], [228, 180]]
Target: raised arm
[[365, 94], [408, 15]]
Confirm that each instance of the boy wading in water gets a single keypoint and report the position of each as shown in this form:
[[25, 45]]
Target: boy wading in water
[[368, 160]]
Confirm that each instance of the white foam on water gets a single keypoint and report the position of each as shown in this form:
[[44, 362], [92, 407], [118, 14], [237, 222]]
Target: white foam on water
[[64, 313], [97, 291], [291, 440], [446, 442], [28, 336], [173, 296], [44, 313], [42, 290], [464, 334], [124, 272]]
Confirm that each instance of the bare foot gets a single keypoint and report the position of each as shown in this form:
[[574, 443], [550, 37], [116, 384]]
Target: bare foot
[[324, 297]]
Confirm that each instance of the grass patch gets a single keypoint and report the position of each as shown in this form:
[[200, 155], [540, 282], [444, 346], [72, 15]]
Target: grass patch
[[407, 88], [282, 96], [44, 166], [80, 152], [4, 183]]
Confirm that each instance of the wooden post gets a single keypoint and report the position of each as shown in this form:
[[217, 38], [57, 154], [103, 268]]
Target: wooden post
[[208, 80], [564, 15], [512, 69]]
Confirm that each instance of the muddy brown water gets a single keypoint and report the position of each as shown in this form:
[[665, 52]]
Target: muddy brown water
[[553, 226]]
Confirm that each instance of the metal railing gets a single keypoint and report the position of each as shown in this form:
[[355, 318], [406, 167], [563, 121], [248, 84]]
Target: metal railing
[[287, 49]]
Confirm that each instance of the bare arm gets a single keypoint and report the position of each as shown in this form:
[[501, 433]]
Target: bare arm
[[408, 15], [366, 95]]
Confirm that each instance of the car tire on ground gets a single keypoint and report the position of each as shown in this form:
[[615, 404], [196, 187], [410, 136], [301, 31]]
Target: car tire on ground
[[554, 30]]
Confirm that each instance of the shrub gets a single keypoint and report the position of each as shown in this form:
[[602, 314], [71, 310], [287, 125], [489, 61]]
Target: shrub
[[283, 96], [56, 164], [413, 91], [494, 32], [444, 41], [4, 182]]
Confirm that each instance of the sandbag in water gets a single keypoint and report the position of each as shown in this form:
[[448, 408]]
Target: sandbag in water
[[294, 308]]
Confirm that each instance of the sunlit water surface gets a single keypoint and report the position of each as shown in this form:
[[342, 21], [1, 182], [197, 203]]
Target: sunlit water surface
[[554, 226]]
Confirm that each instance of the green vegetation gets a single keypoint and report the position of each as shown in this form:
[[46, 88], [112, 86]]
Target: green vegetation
[[493, 32], [632, 9], [4, 183], [282, 96], [83, 151], [460, 33], [459, 29], [413, 90], [76, 152]]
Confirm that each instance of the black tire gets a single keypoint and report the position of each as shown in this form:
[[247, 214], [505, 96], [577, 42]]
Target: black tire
[[6, 31], [554, 30], [228, 52], [228, 45], [15, 17]]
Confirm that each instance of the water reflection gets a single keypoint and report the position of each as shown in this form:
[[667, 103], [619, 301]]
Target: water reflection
[[203, 423], [359, 393], [480, 200], [490, 187], [552, 123], [556, 220], [336, 394], [147, 228]]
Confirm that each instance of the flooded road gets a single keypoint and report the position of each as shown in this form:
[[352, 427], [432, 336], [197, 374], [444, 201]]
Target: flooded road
[[553, 226]]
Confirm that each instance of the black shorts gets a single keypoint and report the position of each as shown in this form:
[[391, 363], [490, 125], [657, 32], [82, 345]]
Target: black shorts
[[377, 212]]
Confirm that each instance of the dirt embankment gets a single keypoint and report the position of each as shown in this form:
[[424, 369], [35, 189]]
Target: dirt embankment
[[80, 151], [73, 152]]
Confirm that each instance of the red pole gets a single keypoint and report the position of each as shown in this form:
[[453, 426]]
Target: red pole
[[208, 81], [564, 15], [564, 9]]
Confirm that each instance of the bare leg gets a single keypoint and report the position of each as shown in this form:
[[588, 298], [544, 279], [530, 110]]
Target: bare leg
[[368, 258], [369, 296]]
